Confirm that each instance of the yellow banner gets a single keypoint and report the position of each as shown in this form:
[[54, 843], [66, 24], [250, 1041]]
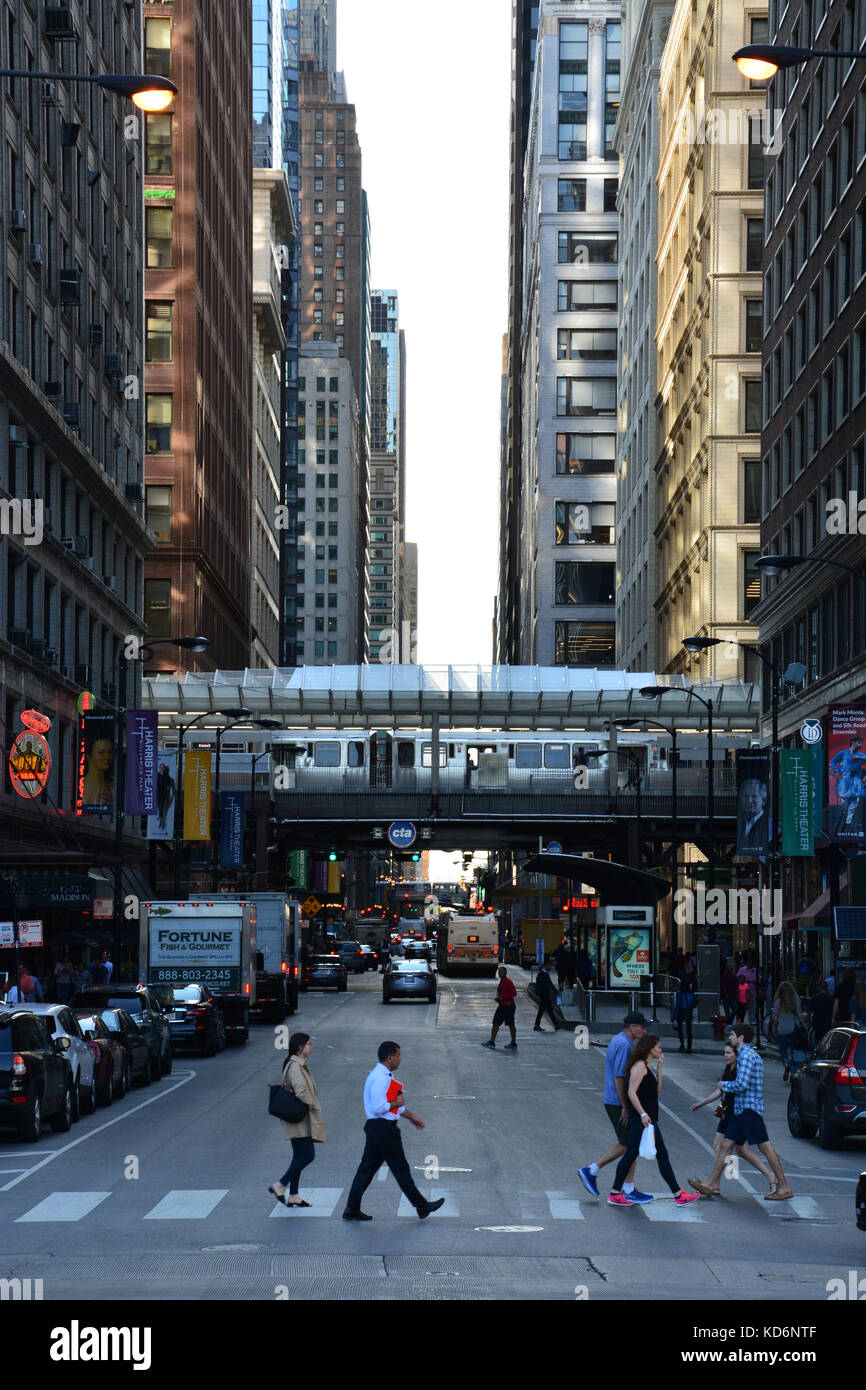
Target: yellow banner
[[196, 795], [334, 877]]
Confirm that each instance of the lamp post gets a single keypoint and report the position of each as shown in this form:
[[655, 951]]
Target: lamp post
[[634, 778], [191, 644], [217, 820], [781, 564], [760, 61], [178, 822], [671, 729], [147, 92]]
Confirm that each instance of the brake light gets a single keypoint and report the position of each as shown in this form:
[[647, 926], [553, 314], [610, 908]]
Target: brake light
[[246, 988], [201, 1013], [848, 1076], [284, 968], [19, 1066]]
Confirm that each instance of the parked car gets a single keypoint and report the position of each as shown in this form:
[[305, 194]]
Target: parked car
[[860, 1203], [409, 979], [143, 1004], [828, 1093], [371, 958], [35, 1076], [419, 950], [352, 956], [323, 971], [110, 1058], [194, 1016], [134, 1040], [61, 1023]]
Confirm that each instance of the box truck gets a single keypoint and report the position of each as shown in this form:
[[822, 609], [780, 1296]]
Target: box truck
[[207, 942], [277, 955]]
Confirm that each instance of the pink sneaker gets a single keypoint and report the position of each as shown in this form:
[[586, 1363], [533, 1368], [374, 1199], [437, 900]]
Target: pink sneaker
[[686, 1197], [619, 1199]]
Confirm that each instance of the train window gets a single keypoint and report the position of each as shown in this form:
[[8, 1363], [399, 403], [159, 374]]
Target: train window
[[427, 755], [528, 755], [405, 754], [327, 755], [556, 755], [356, 754]]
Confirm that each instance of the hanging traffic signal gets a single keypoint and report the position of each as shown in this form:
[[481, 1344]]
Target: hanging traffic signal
[[415, 858], [333, 856]]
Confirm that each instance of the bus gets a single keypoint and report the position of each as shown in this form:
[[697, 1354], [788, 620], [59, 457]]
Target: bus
[[406, 908], [468, 943]]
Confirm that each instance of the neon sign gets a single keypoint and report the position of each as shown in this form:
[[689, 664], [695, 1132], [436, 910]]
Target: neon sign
[[29, 764]]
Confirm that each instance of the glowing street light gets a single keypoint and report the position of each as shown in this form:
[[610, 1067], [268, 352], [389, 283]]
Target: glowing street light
[[760, 61]]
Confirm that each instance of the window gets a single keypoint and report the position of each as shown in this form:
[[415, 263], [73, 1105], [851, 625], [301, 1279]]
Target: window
[[571, 195], [318, 210], [157, 512], [573, 68], [584, 583], [754, 242], [158, 412], [582, 523], [751, 582], [157, 47], [157, 607], [586, 344], [612, 56], [341, 207], [754, 331], [584, 644], [752, 397], [158, 224], [318, 184], [755, 163], [157, 143], [341, 185], [586, 396], [611, 188], [158, 343], [588, 248], [751, 490], [575, 296], [585, 453]]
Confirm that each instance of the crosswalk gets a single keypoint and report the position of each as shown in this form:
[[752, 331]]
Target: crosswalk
[[197, 1204]]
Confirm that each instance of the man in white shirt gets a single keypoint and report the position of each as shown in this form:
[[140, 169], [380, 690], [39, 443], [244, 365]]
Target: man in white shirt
[[384, 1144]]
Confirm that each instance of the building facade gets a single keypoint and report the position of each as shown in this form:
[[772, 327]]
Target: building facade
[[566, 547], [328, 571], [387, 610], [710, 240], [198, 383], [637, 139]]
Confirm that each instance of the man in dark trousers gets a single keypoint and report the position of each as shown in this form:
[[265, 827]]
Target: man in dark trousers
[[546, 999], [506, 996], [383, 1106]]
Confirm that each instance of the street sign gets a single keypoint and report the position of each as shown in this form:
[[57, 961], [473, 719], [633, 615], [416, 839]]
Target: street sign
[[312, 907], [103, 907], [7, 933], [402, 834], [554, 847], [811, 731], [30, 933]]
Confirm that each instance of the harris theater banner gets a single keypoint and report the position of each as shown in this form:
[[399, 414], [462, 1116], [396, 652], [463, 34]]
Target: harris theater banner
[[232, 820], [196, 794], [798, 771], [142, 769], [846, 766]]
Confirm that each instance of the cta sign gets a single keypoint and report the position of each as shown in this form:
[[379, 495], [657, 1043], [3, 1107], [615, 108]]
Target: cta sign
[[402, 834]]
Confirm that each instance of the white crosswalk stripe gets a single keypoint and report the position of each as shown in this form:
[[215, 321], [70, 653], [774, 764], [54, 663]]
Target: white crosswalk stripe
[[804, 1207], [432, 1193], [564, 1207], [64, 1206], [667, 1210], [323, 1202], [186, 1205]]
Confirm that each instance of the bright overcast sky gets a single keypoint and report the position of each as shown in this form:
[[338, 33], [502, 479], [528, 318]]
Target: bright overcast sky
[[432, 91]]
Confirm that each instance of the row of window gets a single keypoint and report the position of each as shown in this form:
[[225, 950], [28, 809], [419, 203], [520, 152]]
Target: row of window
[[585, 523], [571, 195], [830, 402], [323, 384], [846, 263]]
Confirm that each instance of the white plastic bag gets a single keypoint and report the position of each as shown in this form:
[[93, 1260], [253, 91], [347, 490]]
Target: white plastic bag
[[648, 1142]]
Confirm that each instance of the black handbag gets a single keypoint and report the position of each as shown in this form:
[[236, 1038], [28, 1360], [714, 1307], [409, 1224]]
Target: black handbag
[[286, 1106]]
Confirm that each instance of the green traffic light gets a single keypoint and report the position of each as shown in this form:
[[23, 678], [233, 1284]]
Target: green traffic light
[[332, 856]]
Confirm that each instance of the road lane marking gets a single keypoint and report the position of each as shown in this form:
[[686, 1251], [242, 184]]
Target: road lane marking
[[510, 1230], [383, 1173], [55, 1153], [451, 1207], [323, 1202], [64, 1206], [804, 1207], [704, 1145], [564, 1207], [188, 1204], [669, 1212]]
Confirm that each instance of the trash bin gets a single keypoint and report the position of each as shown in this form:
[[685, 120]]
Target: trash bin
[[718, 1027]]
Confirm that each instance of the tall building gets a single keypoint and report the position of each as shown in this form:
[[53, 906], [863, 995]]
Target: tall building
[[814, 392], [387, 610], [198, 383], [710, 241], [318, 34], [73, 540], [273, 232], [335, 275], [568, 346], [328, 558], [637, 139]]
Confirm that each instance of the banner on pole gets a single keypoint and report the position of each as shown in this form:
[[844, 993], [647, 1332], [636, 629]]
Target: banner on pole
[[753, 815], [196, 794], [797, 772], [160, 826], [231, 830], [846, 753], [142, 751]]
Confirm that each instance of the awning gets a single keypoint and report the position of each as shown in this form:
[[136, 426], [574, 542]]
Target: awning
[[850, 923], [617, 882]]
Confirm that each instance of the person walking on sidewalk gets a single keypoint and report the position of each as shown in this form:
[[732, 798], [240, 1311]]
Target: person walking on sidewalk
[[728, 992], [306, 1133], [616, 1104], [546, 999], [684, 1007], [725, 1111], [747, 1124], [644, 1085], [506, 996], [383, 1106], [786, 1020]]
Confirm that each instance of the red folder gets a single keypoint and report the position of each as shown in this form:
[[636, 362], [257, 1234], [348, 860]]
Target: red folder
[[393, 1091]]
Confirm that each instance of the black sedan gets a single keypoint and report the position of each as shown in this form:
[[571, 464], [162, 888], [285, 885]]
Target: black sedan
[[133, 1038], [194, 1016], [409, 979], [35, 1077], [828, 1093], [323, 972]]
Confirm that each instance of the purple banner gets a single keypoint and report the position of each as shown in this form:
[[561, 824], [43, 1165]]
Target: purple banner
[[142, 750]]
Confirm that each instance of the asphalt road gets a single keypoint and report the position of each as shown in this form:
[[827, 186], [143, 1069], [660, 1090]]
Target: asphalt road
[[164, 1195]]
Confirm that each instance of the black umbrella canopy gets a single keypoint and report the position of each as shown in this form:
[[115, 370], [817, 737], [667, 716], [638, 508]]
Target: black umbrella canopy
[[617, 882]]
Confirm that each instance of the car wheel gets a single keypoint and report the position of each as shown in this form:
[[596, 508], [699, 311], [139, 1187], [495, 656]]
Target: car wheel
[[167, 1062], [87, 1098], [800, 1128], [341, 989], [829, 1133], [106, 1095], [125, 1080], [431, 998], [30, 1123], [208, 1047], [62, 1121], [860, 1203], [147, 1074], [76, 1102], [386, 998], [155, 1068]]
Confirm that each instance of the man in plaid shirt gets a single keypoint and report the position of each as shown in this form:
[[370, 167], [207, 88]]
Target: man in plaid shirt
[[747, 1123]]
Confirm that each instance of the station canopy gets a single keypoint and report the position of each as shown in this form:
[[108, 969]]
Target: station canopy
[[465, 697]]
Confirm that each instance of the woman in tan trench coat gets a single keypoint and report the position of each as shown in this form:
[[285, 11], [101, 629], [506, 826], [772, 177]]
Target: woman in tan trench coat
[[310, 1130]]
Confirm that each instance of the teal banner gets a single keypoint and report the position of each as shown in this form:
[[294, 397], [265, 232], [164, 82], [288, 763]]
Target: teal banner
[[797, 771]]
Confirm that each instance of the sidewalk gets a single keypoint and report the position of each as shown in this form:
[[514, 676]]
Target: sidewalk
[[610, 1013]]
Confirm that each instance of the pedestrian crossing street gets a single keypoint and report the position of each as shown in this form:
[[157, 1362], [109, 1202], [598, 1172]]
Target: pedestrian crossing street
[[197, 1204]]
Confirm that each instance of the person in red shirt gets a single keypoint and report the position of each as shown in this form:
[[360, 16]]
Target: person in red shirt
[[506, 995]]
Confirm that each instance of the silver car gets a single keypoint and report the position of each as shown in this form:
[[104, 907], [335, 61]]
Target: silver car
[[409, 979], [63, 1024]]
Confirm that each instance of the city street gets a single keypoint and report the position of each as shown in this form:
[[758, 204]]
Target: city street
[[164, 1196]]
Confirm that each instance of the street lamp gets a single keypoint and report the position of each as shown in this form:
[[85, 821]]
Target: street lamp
[[217, 825], [781, 564], [672, 730], [178, 823], [636, 773], [148, 93], [760, 61]]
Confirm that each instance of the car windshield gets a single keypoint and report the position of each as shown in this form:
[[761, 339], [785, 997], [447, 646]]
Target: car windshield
[[326, 960], [182, 994], [111, 1020], [410, 966]]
